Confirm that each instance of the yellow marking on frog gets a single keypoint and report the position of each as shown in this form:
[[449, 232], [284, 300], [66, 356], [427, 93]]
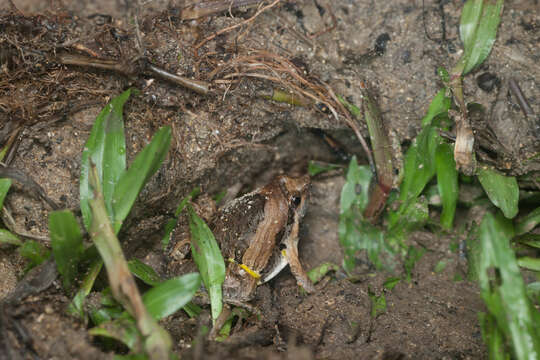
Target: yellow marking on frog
[[284, 252], [254, 274]]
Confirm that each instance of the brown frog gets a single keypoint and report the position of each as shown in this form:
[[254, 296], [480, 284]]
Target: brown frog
[[258, 236]]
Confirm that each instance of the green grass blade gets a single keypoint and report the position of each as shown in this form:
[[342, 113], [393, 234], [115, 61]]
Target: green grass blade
[[529, 222], [76, 307], [123, 330], [171, 224], [378, 303], [318, 273], [529, 263], [34, 252], [317, 167], [470, 17], [419, 166], [358, 178], [439, 105], [355, 233], [193, 310], [478, 29], [209, 260], [503, 191], [144, 272], [493, 337], [7, 237], [4, 187], [447, 182], [67, 245], [168, 297], [146, 163], [503, 289], [106, 146]]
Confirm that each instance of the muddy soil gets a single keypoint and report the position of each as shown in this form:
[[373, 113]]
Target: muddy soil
[[235, 138]]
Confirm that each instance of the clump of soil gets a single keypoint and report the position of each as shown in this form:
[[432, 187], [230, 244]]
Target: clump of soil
[[235, 137]]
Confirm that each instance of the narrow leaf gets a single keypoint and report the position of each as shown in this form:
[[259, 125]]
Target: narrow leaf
[[168, 297], [66, 243], [529, 222], [7, 237], [4, 187], [106, 146], [317, 167], [209, 260], [478, 29], [34, 252], [146, 163], [503, 191], [356, 188], [447, 182], [144, 272], [355, 233], [317, 273], [171, 224], [123, 330], [503, 289], [439, 105], [76, 307], [529, 263], [419, 166]]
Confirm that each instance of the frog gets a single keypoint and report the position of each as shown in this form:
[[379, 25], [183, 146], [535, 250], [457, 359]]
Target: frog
[[258, 235]]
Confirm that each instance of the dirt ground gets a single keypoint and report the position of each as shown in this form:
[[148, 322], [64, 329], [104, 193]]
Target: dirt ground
[[234, 138]]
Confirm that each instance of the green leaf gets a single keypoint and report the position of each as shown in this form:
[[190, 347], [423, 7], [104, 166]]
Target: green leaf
[[169, 296], [413, 255], [207, 256], [106, 146], [503, 290], [123, 330], [34, 252], [193, 310], [317, 167], [378, 303], [391, 282], [66, 243], [76, 307], [419, 166], [440, 266], [138, 356], [503, 191], [493, 337], [478, 30], [447, 182], [4, 187], [146, 163], [358, 179], [171, 224], [7, 237], [529, 263], [355, 233], [410, 218], [144, 272], [528, 222], [105, 314], [317, 273], [439, 105], [532, 240]]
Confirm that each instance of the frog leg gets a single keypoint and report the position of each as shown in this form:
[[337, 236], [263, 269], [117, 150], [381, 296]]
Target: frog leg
[[291, 254]]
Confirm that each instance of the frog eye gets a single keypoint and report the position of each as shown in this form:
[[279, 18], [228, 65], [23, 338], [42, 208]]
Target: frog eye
[[296, 200]]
